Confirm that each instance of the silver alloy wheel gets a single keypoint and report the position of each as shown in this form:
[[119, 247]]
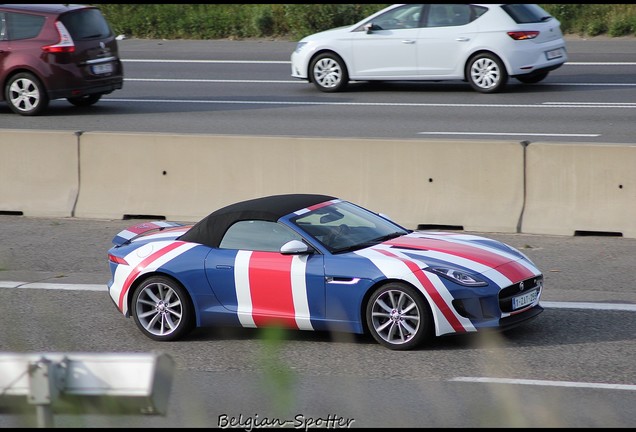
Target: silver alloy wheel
[[327, 72], [485, 73], [395, 317], [24, 95], [159, 309]]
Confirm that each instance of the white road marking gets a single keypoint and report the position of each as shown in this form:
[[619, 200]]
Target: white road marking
[[508, 134], [289, 62], [545, 383], [376, 104], [54, 286], [103, 287]]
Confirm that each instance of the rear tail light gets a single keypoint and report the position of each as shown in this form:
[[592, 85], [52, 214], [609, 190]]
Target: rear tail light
[[523, 35], [116, 260], [65, 45]]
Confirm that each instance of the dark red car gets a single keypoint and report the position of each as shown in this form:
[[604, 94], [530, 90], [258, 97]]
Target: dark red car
[[56, 51]]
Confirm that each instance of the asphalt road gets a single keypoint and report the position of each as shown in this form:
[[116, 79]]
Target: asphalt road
[[245, 87]]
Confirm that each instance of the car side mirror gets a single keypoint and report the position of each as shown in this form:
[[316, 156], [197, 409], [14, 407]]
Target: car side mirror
[[294, 247]]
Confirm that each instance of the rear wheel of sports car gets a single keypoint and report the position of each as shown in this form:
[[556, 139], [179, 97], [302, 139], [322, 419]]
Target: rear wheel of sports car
[[398, 317], [329, 73], [486, 73], [26, 95], [162, 309]]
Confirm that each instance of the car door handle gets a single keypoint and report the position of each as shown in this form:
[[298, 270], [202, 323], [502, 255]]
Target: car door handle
[[223, 267], [408, 41], [462, 39]]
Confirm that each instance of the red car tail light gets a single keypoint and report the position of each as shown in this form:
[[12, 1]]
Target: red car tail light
[[117, 260], [523, 35], [65, 45]]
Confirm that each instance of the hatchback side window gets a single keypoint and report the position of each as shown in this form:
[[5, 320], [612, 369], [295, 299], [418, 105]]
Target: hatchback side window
[[404, 17], [23, 26], [257, 235], [449, 15], [3, 27]]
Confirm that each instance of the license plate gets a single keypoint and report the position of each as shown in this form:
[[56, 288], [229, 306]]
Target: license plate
[[101, 69], [553, 54], [524, 299]]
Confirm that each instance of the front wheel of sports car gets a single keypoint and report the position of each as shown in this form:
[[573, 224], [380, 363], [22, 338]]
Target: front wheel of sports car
[[162, 309], [486, 73], [398, 317]]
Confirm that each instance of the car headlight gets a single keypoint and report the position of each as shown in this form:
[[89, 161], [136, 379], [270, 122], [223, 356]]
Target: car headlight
[[458, 276], [299, 46]]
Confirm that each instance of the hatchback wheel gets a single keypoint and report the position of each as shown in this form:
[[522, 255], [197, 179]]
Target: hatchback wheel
[[486, 73], [162, 309], [398, 317], [26, 95], [86, 100], [329, 73]]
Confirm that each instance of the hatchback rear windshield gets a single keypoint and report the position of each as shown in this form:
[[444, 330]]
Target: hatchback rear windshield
[[86, 24], [526, 13]]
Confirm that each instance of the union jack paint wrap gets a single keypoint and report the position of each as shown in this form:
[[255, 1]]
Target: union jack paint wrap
[[468, 282]]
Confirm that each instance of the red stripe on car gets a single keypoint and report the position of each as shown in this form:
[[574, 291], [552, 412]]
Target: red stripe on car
[[271, 289]]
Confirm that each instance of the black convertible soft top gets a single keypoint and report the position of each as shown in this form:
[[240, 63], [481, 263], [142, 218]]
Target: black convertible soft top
[[210, 230]]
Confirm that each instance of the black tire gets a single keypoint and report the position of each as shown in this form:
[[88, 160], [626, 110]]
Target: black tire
[[532, 79], [86, 100], [486, 73], [162, 309], [26, 95], [329, 73], [398, 317]]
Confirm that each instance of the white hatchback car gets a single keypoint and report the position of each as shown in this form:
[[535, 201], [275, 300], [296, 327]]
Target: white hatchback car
[[483, 44]]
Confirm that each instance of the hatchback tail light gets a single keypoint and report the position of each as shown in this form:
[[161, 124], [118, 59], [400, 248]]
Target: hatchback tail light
[[65, 45], [523, 35]]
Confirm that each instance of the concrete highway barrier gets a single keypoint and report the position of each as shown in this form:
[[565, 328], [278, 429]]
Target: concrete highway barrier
[[580, 188], [487, 186], [470, 184], [38, 172]]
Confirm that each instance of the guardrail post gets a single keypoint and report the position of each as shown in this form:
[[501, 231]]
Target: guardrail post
[[43, 390]]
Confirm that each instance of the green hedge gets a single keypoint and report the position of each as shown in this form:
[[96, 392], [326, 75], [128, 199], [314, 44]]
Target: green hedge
[[294, 21]]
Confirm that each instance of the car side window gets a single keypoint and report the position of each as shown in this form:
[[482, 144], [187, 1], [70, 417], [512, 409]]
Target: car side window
[[3, 27], [257, 235], [23, 26], [449, 15], [405, 17]]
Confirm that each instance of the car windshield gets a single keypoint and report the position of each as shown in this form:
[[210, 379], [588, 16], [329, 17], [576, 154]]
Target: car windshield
[[343, 227]]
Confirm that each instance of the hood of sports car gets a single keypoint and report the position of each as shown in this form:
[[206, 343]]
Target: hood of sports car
[[463, 252], [462, 245]]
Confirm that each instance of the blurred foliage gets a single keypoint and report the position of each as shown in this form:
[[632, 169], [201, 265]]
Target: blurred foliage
[[294, 21], [595, 19]]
